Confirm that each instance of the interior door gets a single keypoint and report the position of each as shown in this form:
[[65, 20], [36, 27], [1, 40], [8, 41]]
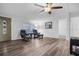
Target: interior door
[[5, 28]]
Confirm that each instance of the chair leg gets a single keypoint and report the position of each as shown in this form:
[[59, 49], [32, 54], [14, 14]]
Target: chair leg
[[40, 36], [26, 39]]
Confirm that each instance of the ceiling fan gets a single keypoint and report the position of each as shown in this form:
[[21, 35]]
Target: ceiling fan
[[48, 8]]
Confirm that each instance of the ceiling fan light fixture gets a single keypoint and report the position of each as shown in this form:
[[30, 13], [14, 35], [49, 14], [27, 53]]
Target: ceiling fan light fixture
[[49, 12], [47, 9]]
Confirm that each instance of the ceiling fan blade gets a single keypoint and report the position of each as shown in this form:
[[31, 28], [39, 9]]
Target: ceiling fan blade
[[57, 7], [41, 11], [49, 3], [39, 5]]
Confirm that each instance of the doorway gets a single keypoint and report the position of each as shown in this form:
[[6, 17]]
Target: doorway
[[5, 28]]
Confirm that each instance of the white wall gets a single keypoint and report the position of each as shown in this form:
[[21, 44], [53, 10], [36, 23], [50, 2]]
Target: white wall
[[74, 30], [15, 28], [54, 31], [59, 27], [74, 27], [62, 27], [47, 32]]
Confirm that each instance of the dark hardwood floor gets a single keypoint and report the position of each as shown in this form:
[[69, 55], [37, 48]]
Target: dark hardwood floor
[[42, 47]]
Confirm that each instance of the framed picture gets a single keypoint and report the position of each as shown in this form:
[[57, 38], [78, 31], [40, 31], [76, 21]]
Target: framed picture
[[48, 25], [4, 27]]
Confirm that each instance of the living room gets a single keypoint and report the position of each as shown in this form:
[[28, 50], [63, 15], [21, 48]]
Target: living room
[[54, 28]]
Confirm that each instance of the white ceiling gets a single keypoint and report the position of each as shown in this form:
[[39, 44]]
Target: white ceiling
[[27, 10]]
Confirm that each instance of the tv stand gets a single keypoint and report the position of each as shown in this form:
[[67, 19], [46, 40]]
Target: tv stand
[[74, 41]]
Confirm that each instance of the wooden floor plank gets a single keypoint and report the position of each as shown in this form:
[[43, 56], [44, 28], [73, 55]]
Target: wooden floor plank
[[36, 47]]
